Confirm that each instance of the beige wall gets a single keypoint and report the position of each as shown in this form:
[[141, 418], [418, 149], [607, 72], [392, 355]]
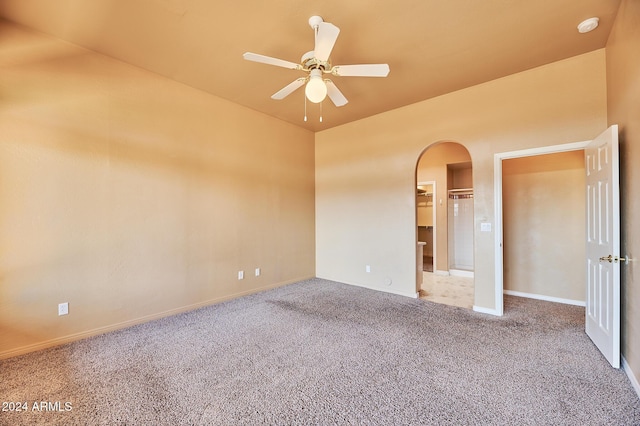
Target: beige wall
[[544, 225], [365, 171], [623, 89], [131, 196], [461, 178], [432, 166]]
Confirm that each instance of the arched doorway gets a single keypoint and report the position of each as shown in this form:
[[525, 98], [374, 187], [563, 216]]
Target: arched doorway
[[445, 224]]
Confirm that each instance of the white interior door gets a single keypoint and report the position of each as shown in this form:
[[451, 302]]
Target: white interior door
[[603, 244]]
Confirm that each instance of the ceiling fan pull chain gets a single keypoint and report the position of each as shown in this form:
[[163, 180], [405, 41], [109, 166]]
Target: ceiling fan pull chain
[[321, 111], [305, 108]]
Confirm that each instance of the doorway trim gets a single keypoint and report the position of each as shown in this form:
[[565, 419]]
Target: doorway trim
[[497, 191]]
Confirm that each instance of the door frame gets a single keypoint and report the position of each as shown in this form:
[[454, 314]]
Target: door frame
[[497, 191]]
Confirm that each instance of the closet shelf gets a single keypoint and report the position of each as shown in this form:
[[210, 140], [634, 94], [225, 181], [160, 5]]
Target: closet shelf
[[460, 193]]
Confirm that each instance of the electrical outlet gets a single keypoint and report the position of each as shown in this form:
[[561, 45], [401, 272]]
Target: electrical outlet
[[63, 308], [240, 275], [367, 268], [257, 272]]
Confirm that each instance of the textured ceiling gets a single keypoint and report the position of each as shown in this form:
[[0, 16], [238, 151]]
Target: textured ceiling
[[432, 46]]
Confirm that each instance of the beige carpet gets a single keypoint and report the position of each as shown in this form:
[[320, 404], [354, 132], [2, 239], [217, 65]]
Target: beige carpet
[[324, 353]]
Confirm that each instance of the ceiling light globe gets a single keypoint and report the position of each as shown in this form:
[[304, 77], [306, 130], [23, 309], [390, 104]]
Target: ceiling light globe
[[316, 89]]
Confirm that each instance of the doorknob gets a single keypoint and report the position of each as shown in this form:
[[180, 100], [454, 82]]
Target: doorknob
[[615, 259]]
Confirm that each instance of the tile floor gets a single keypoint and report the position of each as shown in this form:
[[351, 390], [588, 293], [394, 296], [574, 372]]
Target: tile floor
[[448, 290]]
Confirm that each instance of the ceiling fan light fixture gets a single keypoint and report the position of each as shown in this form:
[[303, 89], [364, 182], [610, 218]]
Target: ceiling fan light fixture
[[316, 89], [315, 64]]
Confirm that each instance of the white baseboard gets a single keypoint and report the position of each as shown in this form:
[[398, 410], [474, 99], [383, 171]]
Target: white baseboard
[[546, 298], [443, 273], [631, 376], [411, 294], [482, 310], [460, 273]]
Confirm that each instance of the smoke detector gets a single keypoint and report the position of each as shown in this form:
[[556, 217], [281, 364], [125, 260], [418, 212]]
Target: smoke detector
[[588, 25]]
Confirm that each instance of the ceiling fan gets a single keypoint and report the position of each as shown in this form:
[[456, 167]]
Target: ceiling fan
[[316, 63]]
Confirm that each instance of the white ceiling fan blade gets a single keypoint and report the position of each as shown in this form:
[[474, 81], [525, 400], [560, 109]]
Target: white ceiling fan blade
[[270, 61], [289, 89], [366, 70], [335, 94], [325, 39]]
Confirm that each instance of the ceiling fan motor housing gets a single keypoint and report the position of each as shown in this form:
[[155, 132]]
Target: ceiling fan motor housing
[[310, 62]]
